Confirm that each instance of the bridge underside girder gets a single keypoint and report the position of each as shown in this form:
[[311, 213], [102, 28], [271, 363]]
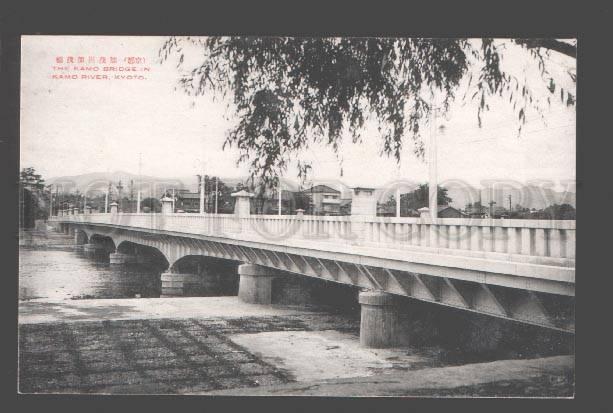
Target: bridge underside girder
[[541, 309], [538, 308]]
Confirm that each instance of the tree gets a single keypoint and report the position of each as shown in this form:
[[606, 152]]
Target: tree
[[563, 211], [151, 205], [33, 198], [419, 198], [290, 92], [29, 179], [225, 202]]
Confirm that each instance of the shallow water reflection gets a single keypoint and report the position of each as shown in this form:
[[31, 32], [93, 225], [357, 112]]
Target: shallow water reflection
[[62, 274]]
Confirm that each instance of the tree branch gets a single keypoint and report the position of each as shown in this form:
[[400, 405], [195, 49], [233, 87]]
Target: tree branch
[[552, 44]]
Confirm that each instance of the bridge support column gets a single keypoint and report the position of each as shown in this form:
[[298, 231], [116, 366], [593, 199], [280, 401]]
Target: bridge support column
[[255, 284], [178, 284], [380, 321], [121, 258], [91, 249], [79, 239]]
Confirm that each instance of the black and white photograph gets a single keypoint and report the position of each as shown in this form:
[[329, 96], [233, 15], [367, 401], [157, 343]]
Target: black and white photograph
[[250, 215]]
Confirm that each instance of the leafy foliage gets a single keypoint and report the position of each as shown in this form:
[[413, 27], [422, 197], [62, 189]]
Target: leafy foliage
[[418, 198], [33, 198], [29, 179], [151, 205], [288, 93]]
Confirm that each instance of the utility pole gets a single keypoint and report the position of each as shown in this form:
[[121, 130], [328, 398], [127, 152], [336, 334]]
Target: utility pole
[[119, 190], [138, 182], [510, 208], [201, 177], [50, 202], [398, 202], [106, 199], [280, 191], [216, 192], [433, 185]]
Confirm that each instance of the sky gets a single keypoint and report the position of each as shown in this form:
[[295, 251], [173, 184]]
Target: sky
[[71, 127]]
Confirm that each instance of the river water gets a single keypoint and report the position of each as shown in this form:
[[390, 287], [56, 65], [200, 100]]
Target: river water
[[50, 267]]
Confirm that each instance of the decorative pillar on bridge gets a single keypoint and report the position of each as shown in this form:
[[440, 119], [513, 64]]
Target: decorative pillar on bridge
[[88, 209], [424, 214], [363, 206], [380, 324], [242, 206], [167, 205], [114, 207], [364, 202], [255, 285]]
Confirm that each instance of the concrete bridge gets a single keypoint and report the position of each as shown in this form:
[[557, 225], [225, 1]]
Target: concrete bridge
[[523, 270]]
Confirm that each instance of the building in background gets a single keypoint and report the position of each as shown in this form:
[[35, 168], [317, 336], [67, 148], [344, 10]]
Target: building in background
[[323, 200], [187, 201], [446, 211]]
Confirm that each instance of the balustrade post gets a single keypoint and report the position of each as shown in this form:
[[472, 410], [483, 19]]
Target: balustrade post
[[242, 205], [167, 206]]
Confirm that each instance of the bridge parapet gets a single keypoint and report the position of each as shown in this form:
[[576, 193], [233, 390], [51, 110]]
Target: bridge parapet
[[544, 242]]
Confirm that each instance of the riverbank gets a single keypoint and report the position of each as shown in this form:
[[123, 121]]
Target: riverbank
[[88, 327], [219, 345]]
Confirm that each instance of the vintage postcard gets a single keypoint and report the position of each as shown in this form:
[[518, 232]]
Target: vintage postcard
[[321, 216]]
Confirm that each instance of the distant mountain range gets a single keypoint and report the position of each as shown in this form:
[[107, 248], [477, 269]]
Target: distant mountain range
[[97, 182], [530, 196]]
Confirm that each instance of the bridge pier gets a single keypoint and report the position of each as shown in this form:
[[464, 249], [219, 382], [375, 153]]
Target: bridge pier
[[255, 284], [121, 258], [175, 284], [380, 321], [92, 249], [79, 238]]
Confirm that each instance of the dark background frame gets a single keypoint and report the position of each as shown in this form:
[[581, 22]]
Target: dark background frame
[[454, 19]]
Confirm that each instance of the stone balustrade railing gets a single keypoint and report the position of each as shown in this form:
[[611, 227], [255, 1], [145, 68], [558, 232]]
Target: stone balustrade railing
[[542, 242]]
